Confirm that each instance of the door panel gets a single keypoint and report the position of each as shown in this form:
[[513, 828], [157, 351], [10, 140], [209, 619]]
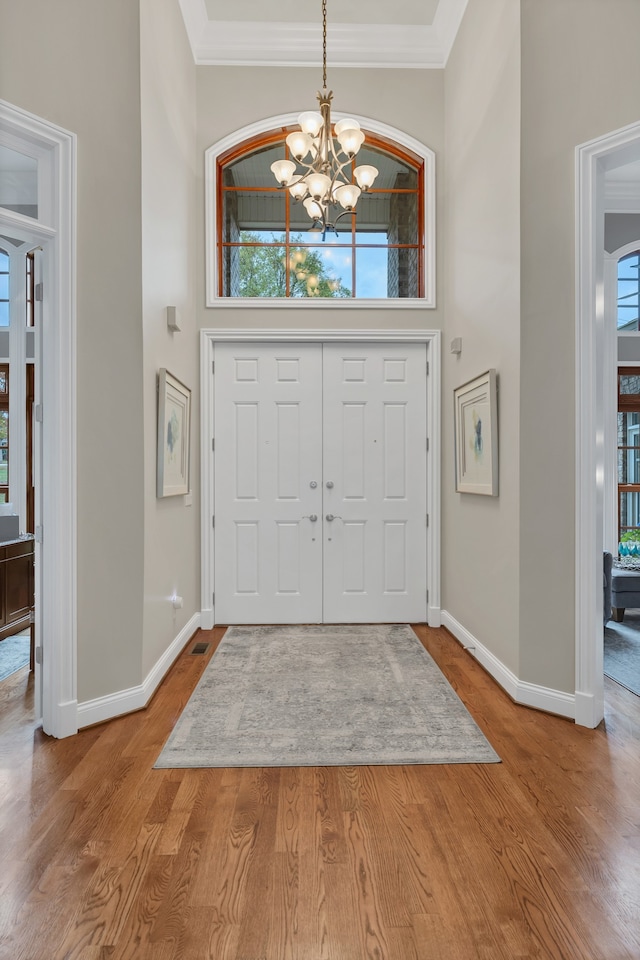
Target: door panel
[[268, 416], [350, 419], [375, 460]]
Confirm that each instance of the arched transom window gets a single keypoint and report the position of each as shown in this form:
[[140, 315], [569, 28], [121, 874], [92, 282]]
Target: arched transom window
[[264, 249]]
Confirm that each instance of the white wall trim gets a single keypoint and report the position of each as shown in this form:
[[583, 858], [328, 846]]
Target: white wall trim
[[622, 196], [208, 339], [287, 119], [286, 44], [592, 160], [447, 23], [136, 698], [521, 692], [56, 558]]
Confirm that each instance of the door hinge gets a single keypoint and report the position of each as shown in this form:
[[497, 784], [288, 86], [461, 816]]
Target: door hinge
[[38, 412], [39, 291], [38, 654], [427, 368], [427, 519], [213, 521], [427, 596], [427, 444], [213, 599], [39, 534], [213, 366], [213, 443]]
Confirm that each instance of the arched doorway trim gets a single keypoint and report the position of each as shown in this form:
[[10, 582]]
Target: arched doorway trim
[[55, 231], [593, 159]]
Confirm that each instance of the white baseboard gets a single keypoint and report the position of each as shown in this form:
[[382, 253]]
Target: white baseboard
[[527, 694], [66, 720], [136, 698]]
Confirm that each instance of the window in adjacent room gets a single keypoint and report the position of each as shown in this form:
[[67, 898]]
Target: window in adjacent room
[[628, 449], [629, 292]]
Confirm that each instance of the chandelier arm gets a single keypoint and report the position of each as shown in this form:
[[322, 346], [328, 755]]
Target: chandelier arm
[[346, 213]]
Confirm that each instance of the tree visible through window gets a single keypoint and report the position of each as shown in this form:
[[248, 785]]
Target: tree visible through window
[[265, 248]]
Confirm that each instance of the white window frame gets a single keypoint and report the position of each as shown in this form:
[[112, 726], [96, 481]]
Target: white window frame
[[429, 226]]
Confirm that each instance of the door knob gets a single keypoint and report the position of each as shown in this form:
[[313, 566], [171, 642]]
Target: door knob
[[330, 517], [311, 516], [329, 484]]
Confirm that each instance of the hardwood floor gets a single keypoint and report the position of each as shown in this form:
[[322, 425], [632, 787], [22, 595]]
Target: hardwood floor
[[104, 858]]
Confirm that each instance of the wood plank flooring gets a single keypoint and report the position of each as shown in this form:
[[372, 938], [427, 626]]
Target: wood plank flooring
[[104, 858]]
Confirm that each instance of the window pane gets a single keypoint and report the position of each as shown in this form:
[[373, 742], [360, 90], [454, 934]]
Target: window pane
[[393, 173], [630, 383], [4, 313], [4, 286], [394, 217], [254, 271], [372, 272], [628, 292], [4, 447], [628, 448], [629, 511], [320, 271], [254, 169], [252, 212]]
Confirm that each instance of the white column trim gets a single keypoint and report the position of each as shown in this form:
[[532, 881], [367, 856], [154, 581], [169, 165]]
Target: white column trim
[[56, 229], [208, 339]]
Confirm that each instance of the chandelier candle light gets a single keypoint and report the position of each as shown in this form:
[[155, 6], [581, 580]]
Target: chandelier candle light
[[324, 184]]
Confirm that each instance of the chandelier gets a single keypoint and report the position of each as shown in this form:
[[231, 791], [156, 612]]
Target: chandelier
[[325, 185]]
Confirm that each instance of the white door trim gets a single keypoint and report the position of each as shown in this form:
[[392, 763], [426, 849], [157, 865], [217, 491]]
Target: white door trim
[[208, 339], [55, 229], [593, 159]]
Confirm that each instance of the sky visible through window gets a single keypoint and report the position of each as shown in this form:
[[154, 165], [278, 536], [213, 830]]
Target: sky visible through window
[[4, 289], [629, 292]]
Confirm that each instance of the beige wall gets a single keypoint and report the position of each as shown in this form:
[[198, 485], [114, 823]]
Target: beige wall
[[77, 65], [410, 100], [480, 575], [580, 80], [168, 97]]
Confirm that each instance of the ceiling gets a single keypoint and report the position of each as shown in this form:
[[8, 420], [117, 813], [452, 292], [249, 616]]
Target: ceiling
[[360, 33]]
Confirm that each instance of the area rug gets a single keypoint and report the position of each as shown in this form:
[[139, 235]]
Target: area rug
[[323, 696], [14, 654], [622, 651]]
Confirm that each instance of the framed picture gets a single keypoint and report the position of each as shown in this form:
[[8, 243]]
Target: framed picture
[[476, 435], [174, 430]]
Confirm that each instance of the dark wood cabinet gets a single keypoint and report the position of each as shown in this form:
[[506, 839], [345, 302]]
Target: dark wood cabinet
[[16, 585]]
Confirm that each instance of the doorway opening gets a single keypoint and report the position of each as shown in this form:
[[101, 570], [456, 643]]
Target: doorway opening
[[44, 156], [595, 353]]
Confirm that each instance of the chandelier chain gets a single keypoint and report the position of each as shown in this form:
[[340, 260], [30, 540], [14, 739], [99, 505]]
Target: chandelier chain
[[324, 44]]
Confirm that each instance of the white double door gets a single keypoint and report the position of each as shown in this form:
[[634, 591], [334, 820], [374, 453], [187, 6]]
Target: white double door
[[320, 483]]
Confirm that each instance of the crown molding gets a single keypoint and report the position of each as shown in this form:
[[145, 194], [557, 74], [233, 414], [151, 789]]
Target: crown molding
[[407, 46], [447, 23]]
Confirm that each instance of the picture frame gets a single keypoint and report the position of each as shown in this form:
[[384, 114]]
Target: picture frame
[[476, 435], [174, 433]]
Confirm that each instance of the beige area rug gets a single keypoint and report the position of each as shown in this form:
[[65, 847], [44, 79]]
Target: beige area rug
[[323, 696]]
